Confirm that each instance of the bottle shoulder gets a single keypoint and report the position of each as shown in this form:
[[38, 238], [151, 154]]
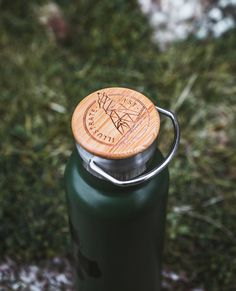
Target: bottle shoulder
[[95, 195]]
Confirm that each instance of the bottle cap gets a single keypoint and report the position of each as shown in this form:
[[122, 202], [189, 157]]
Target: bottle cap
[[115, 123], [115, 131]]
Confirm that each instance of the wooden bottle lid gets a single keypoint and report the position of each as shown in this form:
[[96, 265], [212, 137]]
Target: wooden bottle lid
[[115, 123]]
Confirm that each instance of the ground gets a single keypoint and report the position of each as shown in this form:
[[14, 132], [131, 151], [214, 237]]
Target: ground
[[48, 66]]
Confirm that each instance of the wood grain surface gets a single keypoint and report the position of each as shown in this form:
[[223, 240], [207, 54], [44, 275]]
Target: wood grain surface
[[115, 123]]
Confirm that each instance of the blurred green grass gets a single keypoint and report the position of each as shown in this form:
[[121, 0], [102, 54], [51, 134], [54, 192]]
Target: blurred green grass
[[110, 45]]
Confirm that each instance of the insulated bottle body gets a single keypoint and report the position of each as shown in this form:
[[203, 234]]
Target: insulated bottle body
[[117, 232]]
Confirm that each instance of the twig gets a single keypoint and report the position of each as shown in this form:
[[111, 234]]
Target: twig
[[185, 93], [212, 222], [213, 201]]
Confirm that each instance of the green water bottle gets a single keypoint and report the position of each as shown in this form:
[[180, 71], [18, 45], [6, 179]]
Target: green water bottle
[[117, 187]]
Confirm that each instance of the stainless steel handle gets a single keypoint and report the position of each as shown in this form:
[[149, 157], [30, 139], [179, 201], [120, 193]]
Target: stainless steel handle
[[155, 171]]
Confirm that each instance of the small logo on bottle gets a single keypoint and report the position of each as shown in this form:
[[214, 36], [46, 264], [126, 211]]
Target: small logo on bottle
[[84, 265]]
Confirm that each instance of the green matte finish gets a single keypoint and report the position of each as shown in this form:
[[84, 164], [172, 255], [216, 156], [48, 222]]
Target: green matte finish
[[117, 232]]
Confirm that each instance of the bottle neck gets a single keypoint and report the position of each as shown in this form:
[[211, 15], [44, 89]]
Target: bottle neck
[[122, 169]]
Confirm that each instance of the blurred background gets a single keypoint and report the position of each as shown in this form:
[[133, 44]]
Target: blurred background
[[179, 53]]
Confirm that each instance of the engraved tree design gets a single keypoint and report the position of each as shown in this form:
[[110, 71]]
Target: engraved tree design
[[122, 117]]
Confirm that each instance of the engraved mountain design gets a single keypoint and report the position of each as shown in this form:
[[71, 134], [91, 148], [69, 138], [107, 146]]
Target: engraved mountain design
[[122, 117]]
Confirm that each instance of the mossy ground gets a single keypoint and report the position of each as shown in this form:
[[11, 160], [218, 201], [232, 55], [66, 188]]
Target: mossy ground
[[110, 45]]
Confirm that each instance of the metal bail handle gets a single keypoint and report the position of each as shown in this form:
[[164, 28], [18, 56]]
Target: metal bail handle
[[155, 171]]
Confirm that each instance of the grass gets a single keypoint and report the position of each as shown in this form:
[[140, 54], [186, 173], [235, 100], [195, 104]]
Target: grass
[[110, 44]]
